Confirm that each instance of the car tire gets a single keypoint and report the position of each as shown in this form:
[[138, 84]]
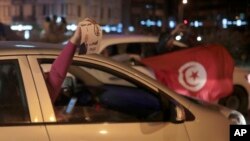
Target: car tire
[[238, 100]]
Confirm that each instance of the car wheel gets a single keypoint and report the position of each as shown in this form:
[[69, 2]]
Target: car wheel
[[237, 101]]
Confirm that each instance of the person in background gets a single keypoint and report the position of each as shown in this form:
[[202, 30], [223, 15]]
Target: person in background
[[61, 29], [181, 37], [54, 25], [46, 29], [62, 26], [2, 32], [87, 33]]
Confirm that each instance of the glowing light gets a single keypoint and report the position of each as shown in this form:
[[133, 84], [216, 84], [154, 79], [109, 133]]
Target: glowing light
[[148, 6], [113, 29], [103, 132], [119, 25], [224, 23], [36, 119], [106, 28], [178, 37], [196, 24], [229, 22], [185, 21], [30, 46], [119, 30], [26, 34], [159, 23], [238, 23], [58, 19], [248, 78], [131, 29], [71, 27], [21, 27], [171, 24], [143, 23], [148, 22], [199, 38], [184, 1], [52, 118]]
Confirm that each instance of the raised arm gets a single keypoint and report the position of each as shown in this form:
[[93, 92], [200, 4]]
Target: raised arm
[[88, 34], [60, 66]]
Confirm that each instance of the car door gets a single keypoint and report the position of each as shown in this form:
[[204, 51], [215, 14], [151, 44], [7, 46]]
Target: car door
[[101, 102], [20, 114]]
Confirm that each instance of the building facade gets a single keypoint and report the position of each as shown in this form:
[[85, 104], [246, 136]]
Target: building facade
[[145, 16], [34, 11]]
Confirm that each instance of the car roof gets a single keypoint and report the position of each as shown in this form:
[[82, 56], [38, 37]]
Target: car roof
[[15, 48], [112, 39], [26, 47]]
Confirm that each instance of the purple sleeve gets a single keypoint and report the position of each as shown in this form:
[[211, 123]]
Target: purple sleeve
[[59, 70]]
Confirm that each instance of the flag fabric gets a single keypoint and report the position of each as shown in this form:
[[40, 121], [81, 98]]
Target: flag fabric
[[204, 72]]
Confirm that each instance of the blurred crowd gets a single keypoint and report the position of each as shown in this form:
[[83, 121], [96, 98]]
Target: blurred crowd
[[53, 29]]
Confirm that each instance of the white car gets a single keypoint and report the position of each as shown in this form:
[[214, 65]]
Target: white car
[[240, 98], [100, 99]]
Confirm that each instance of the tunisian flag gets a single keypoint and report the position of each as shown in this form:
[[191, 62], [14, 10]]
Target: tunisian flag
[[204, 72]]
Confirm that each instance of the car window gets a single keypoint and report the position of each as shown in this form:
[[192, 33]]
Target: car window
[[142, 49], [91, 94], [13, 104]]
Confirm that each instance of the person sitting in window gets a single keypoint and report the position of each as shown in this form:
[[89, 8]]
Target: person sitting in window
[[87, 35]]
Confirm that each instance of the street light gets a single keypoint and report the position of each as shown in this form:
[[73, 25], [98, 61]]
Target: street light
[[181, 9], [184, 1]]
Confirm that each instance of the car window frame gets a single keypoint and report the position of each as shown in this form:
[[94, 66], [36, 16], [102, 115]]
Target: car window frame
[[122, 46], [48, 112], [42, 91], [46, 104], [105, 69]]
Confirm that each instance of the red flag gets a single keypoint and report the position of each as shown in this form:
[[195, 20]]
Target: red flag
[[204, 72]]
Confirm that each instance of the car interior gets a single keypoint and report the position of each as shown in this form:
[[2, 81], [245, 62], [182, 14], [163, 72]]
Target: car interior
[[92, 95], [13, 108]]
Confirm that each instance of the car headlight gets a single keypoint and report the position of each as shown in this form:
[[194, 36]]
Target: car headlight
[[237, 118]]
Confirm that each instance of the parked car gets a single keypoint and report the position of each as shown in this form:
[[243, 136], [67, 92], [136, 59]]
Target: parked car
[[117, 46], [100, 99]]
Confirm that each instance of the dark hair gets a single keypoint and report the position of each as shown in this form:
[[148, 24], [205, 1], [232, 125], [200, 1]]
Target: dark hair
[[54, 17], [47, 19], [63, 20]]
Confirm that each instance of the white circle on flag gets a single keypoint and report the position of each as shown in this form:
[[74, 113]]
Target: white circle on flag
[[192, 76]]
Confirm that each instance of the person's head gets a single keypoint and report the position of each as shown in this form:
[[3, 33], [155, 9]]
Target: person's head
[[47, 19], [54, 17], [63, 20]]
